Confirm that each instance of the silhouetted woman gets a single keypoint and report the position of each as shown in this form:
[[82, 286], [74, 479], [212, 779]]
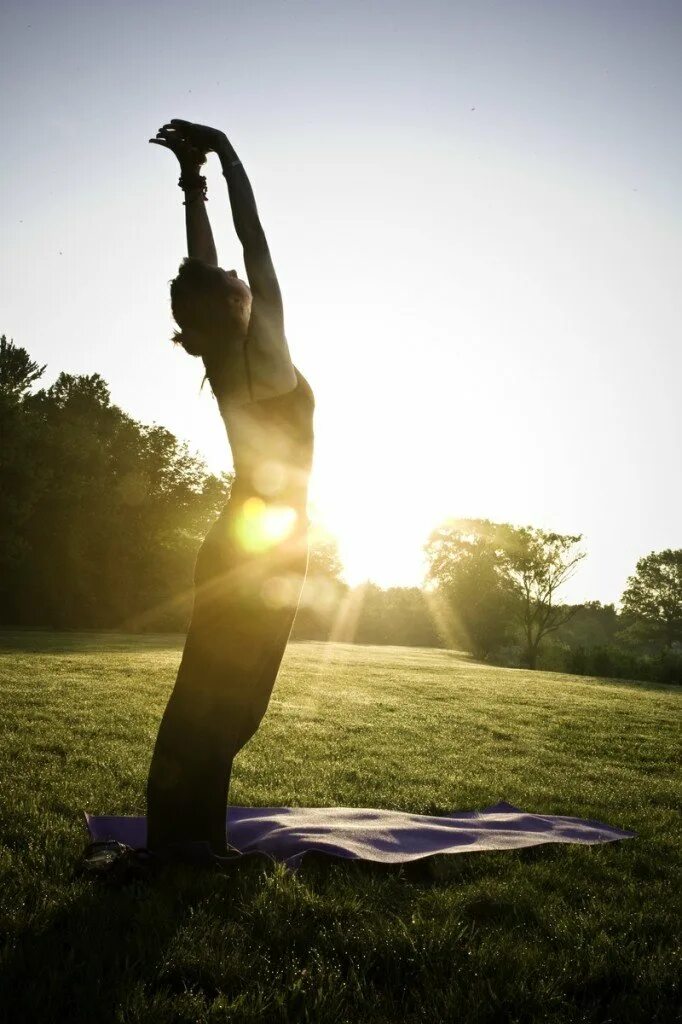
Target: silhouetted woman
[[251, 566]]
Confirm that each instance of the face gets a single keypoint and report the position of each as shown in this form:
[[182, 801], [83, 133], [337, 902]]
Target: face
[[236, 285], [237, 294]]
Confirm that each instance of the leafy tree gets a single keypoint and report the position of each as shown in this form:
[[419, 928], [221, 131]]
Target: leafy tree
[[409, 618], [653, 596], [20, 442], [592, 624], [18, 372], [493, 575], [324, 558], [537, 564], [467, 565], [401, 616], [323, 590], [361, 618], [100, 516]]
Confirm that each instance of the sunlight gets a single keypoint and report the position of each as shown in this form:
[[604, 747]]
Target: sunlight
[[261, 526], [379, 540]]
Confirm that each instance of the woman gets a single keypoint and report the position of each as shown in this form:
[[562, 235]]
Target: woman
[[251, 566]]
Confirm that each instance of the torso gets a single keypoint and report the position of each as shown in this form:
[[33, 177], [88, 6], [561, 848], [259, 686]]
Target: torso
[[272, 445]]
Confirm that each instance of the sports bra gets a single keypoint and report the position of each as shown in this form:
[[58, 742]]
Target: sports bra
[[272, 444]]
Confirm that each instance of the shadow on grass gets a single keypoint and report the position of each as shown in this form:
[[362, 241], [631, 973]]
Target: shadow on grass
[[110, 945], [432, 872], [163, 949], [85, 642]]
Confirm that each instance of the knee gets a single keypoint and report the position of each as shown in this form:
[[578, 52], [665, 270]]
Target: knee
[[246, 720], [250, 724]]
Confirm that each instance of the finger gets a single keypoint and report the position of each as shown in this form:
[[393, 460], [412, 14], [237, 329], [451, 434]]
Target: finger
[[176, 130], [177, 122], [160, 142]]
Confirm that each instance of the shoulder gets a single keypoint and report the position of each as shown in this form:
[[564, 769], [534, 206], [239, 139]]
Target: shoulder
[[295, 401], [303, 387]]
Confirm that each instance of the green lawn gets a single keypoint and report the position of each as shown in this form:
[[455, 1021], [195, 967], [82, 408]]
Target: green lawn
[[547, 935]]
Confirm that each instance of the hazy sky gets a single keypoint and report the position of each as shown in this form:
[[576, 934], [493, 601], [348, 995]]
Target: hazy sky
[[474, 211]]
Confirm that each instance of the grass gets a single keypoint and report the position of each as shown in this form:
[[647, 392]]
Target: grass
[[554, 934]]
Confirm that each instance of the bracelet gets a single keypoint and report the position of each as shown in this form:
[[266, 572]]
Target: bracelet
[[193, 183]]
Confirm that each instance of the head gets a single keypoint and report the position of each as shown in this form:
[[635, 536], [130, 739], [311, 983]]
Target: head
[[211, 307]]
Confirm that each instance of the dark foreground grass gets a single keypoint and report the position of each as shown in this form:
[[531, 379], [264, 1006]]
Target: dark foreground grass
[[552, 934]]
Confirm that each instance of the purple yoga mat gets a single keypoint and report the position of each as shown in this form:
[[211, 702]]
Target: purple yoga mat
[[392, 837]]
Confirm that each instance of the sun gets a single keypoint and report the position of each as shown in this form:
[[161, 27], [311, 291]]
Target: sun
[[378, 539]]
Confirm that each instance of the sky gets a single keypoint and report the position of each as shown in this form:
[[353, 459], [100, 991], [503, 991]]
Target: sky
[[474, 212]]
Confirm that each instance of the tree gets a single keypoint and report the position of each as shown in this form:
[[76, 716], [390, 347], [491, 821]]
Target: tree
[[20, 443], [100, 516], [467, 565], [593, 624], [408, 618], [653, 596], [537, 564], [18, 372], [493, 574], [323, 590], [324, 559]]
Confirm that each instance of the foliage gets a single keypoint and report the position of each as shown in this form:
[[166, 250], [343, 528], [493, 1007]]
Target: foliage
[[554, 935], [18, 372], [624, 662], [101, 516], [491, 574], [589, 625], [396, 615], [537, 563], [365, 614], [653, 597], [467, 566], [20, 485], [323, 590]]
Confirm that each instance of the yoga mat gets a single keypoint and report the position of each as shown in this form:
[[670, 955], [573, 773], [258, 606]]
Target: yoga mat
[[390, 837]]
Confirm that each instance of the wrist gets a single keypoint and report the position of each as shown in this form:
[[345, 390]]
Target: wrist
[[193, 185], [190, 171]]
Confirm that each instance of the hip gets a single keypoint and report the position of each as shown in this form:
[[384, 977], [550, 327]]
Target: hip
[[251, 542]]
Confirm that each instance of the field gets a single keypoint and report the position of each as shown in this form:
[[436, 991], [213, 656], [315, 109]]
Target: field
[[554, 934]]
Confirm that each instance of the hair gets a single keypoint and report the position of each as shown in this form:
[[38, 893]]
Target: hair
[[201, 308]]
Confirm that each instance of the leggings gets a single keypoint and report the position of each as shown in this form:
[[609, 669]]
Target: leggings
[[244, 608]]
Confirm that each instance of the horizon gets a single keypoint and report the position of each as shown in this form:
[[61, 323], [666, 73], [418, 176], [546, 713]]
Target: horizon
[[478, 248]]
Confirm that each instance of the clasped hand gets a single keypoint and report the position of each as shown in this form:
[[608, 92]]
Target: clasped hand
[[190, 142]]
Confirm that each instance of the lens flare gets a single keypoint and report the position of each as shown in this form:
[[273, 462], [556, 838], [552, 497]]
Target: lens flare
[[262, 526]]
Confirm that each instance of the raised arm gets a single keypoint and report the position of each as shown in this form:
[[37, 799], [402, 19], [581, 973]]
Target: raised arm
[[257, 260], [200, 244], [260, 271]]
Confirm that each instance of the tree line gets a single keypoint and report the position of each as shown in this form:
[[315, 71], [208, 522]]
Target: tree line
[[101, 517], [494, 590], [499, 590]]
